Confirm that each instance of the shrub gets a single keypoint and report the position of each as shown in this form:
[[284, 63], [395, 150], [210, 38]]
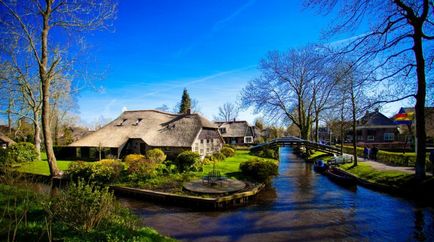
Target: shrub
[[265, 153], [227, 151], [22, 152], [143, 169], [259, 169], [218, 156], [117, 165], [156, 155], [133, 158], [185, 160], [82, 206], [229, 146], [99, 173]]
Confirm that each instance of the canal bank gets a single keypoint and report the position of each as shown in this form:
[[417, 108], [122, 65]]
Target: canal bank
[[298, 205]]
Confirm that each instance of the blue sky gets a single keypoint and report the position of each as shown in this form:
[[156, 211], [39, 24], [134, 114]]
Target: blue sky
[[211, 48]]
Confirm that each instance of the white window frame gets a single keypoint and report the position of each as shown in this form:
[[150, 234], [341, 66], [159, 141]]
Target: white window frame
[[370, 138], [248, 137]]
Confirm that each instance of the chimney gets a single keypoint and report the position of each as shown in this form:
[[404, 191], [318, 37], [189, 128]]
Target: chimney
[[234, 119], [377, 110], [188, 111]]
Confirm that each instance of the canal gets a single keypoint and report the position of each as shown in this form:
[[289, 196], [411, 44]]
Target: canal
[[299, 205]]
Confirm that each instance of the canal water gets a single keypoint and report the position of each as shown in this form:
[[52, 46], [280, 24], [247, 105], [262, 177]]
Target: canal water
[[299, 205]]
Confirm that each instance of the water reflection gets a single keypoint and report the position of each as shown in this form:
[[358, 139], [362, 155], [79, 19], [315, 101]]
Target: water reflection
[[299, 205]]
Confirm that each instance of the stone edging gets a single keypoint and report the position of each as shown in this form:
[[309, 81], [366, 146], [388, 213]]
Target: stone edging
[[232, 200]]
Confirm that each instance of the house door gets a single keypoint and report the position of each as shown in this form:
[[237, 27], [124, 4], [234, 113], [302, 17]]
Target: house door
[[142, 148]]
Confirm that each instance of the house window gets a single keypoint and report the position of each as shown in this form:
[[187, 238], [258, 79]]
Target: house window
[[201, 151], [201, 141], [371, 138], [123, 122], [137, 122], [359, 138], [208, 141], [389, 136], [207, 150], [222, 130], [248, 139]]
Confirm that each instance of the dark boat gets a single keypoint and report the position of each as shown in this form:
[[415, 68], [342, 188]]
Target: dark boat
[[319, 166], [340, 177]]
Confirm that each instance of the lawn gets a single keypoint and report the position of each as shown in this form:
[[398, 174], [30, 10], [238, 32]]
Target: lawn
[[41, 167], [230, 167], [388, 178]]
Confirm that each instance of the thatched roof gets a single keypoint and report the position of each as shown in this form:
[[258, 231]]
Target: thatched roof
[[154, 127], [236, 129], [6, 139]]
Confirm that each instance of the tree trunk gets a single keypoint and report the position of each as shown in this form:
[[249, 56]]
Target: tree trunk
[[353, 104], [316, 128], [420, 104], [37, 133], [45, 81]]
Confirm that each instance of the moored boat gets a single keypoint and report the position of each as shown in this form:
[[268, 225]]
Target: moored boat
[[319, 166], [340, 177]]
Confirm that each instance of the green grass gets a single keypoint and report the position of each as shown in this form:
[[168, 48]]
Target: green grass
[[41, 167], [18, 203], [230, 167], [388, 178]]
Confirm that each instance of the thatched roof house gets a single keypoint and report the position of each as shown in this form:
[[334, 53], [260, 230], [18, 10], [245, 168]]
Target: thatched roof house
[[5, 141], [237, 132], [138, 131]]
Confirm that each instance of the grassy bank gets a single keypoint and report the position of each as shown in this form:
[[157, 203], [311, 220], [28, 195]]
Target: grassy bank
[[395, 179], [27, 216]]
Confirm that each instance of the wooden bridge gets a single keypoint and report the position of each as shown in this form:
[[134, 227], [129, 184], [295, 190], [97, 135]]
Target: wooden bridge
[[295, 141]]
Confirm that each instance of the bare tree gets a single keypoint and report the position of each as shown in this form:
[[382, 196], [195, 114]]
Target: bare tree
[[287, 88], [35, 24], [227, 112], [398, 44]]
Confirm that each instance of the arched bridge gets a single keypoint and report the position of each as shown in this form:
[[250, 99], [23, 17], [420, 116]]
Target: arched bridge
[[295, 141]]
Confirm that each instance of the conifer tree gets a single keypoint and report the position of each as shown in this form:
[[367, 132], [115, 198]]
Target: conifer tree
[[185, 102]]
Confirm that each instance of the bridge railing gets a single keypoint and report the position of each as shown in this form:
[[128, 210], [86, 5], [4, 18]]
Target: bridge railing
[[295, 141]]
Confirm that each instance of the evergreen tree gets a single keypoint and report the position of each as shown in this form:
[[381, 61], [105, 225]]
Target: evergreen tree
[[185, 102]]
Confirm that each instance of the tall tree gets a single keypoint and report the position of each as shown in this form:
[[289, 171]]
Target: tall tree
[[185, 102], [286, 89], [36, 24], [227, 112], [397, 44]]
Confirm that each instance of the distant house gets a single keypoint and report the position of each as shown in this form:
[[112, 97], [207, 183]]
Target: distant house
[[237, 132], [5, 141], [141, 130], [375, 128], [429, 123]]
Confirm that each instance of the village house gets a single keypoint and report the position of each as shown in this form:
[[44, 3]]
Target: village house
[[135, 132], [374, 128], [5, 141], [237, 132]]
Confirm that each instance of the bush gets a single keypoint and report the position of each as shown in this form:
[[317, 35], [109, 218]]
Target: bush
[[22, 152], [227, 151], [99, 173], [218, 156], [156, 155], [265, 153], [143, 169], [133, 158], [259, 169], [82, 206], [185, 160]]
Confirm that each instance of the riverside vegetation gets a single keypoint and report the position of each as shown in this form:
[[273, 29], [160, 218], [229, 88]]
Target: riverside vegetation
[[86, 210]]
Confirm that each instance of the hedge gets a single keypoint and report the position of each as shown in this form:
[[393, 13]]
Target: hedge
[[392, 158]]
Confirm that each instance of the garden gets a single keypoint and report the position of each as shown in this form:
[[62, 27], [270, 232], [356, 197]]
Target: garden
[[86, 209]]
